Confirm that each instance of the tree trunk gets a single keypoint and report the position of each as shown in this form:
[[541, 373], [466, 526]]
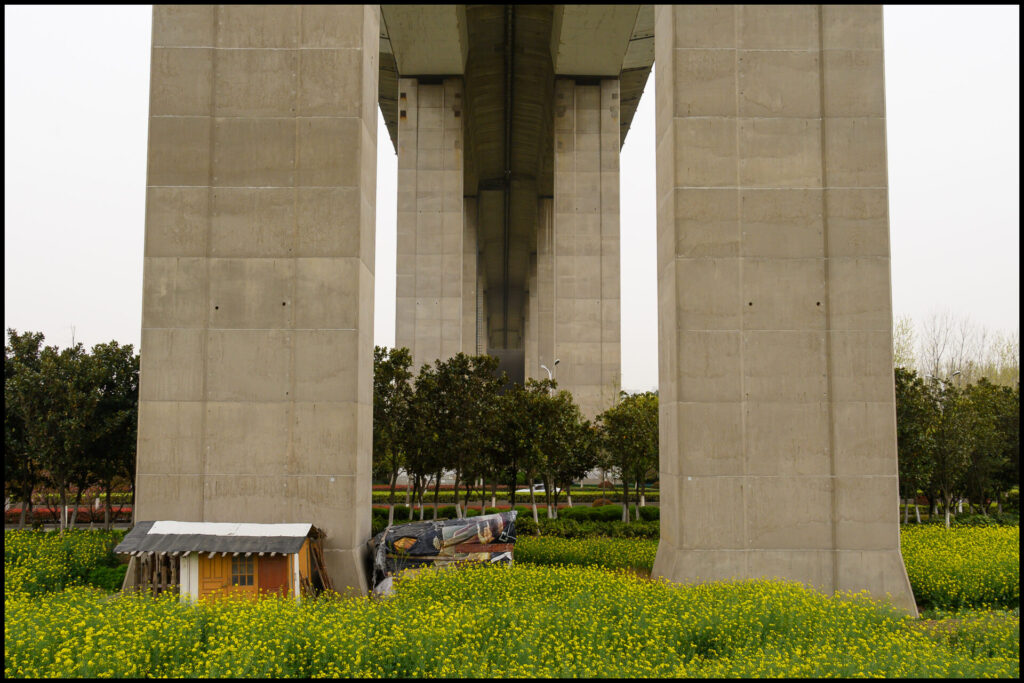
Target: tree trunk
[[959, 506], [78, 501], [437, 492], [636, 491], [547, 497], [410, 496], [533, 502], [999, 503], [106, 508], [643, 494], [455, 490], [568, 495], [483, 496], [423, 488], [494, 492], [625, 499], [469, 491], [63, 508], [391, 498], [917, 512], [512, 489], [948, 500]]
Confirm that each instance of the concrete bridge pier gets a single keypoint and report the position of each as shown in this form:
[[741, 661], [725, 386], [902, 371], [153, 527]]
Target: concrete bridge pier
[[778, 448]]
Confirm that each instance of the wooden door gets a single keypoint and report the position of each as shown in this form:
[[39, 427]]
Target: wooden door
[[214, 573], [273, 574]]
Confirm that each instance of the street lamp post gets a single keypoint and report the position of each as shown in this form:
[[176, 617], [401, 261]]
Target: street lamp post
[[550, 375]]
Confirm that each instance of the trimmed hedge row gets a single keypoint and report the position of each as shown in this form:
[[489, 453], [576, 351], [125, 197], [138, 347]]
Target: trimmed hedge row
[[576, 522], [577, 497], [86, 515]]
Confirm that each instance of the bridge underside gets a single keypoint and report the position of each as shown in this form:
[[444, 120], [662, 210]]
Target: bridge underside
[[778, 451], [508, 132]]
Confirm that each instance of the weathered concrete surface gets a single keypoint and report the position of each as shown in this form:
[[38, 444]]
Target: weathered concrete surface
[[585, 261], [778, 444], [432, 240], [775, 369], [257, 339]]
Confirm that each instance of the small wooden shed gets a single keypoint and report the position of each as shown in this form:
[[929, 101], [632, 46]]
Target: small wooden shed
[[199, 559]]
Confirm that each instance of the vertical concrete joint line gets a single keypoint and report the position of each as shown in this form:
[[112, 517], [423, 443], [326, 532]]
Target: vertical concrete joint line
[[205, 345], [828, 303], [291, 466], [736, 19]]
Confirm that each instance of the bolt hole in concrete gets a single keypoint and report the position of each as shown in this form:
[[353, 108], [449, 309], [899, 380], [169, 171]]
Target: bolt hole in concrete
[[817, 303], [216, 308], [750, 303], [282, 303]]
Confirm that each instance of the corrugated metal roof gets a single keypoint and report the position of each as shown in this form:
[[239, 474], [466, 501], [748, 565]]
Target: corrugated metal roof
[[230, 529], [144, 538]]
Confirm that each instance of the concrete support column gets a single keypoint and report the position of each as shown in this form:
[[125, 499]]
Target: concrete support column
[[469, 278], [540, 348], [585, 261], [257, 322], [778, 448], [431, 225]]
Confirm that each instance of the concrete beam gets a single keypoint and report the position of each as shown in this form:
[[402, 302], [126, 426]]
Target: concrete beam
[[591, 40], [443, 54]]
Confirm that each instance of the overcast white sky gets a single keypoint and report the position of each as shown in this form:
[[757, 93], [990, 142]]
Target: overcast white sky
[[76, 86]]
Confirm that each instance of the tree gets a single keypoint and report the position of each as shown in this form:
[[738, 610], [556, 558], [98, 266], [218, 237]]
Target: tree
[[59, 404], [392, 393], [995, 412], [903, 342], [629, 436], [951, 439], [111, 453], [22, 473], [914, 418]]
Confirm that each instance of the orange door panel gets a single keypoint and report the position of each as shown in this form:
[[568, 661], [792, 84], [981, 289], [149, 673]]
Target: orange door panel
[[273, 574]]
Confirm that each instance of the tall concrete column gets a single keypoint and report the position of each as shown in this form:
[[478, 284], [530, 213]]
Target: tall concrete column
[[469, 278], [431, 233], [540, 343], [257, 322], [778, 443], [585, 263]]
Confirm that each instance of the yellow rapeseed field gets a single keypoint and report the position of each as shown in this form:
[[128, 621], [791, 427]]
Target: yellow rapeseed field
[[528, 620], [963, 567]]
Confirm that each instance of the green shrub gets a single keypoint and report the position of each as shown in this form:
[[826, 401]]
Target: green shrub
[[41, 561], [108, 578]]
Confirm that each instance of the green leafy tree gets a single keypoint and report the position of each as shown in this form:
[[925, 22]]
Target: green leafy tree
[[629, 438], [59, 404], [111, 454], [22, 469], [952, 440], [992, 442], [392, 393], [915, 415], [567, 444]]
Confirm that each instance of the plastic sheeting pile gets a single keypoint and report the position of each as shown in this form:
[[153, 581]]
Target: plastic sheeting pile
[[488, 538]]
